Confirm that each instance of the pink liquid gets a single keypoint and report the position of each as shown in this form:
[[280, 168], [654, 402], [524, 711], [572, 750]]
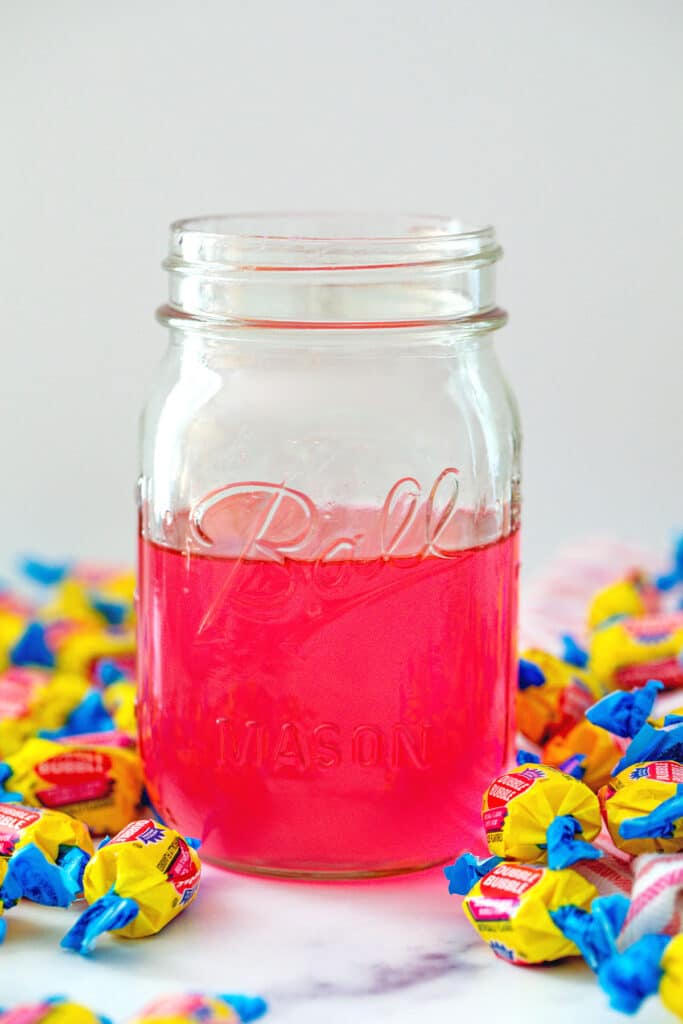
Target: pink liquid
[[326, 719]]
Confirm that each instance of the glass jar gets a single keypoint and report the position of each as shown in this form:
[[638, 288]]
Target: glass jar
[[329, 509]]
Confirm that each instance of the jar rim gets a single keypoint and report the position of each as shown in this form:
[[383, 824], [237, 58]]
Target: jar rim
[[326, 240]]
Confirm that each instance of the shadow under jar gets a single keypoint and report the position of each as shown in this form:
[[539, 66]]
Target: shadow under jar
[[328, 560]]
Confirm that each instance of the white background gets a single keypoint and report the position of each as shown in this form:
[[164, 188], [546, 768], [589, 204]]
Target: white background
[[560, 123]]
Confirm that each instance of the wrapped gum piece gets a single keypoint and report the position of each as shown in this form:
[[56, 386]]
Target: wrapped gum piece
[[643, 808], [534, 813], [510, 906], [629, 652], [552, 695], [632, 596], [136, 883], [100, 786], [43, 855], [33, 699], [203, 1009], [56, 1010], [600, 751]]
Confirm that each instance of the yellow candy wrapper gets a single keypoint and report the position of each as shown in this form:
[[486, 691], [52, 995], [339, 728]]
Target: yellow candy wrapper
[[119, 699], [33, 699], [633, 596], [629, 652], [12, 625], [510, 908], [78, 646], [202, 1009], [99, 785], [136, 884], [56, 1010], [600, 752], [534, 812], [643, 807], [94, 601], [671, 985], [552, 695], [43, 855]]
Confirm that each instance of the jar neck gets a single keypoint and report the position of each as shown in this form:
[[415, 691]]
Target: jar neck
[[320, 276]]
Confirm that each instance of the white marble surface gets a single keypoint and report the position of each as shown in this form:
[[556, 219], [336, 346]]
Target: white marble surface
[[392, 951]]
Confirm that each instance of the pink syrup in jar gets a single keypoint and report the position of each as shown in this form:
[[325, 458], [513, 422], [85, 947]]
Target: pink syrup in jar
[[327, 715]]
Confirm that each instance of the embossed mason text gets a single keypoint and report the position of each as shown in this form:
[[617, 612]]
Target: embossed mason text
[[291, 745]]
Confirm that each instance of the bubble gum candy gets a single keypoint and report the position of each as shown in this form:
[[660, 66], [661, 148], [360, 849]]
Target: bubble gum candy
[[32, 699], [599, 752], [510, 907], [643, 807], [43, 855], [629, 652], [56, 1010], [552, 695], [534, 812], [136, 883], [188, 1009], [101, 786], [632, 596], [653, 964]]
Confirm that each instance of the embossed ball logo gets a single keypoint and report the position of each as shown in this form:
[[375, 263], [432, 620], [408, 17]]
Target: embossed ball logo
[[270, 522]]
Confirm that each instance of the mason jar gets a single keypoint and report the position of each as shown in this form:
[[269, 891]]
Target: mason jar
[[328, 559]]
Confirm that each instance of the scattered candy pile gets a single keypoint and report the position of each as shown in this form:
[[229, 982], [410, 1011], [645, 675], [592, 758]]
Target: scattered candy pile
[[586, 833], [69, 766], [184, 1009]]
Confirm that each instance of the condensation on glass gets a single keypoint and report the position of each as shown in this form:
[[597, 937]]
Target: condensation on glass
[[329, 511]]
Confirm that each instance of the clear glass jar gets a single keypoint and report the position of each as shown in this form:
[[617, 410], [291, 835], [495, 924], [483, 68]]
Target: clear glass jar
[[329, 504]]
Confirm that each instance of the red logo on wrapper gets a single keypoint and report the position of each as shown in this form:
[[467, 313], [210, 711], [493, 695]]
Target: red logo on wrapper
[[78, 776], [182, 873], [667, 670], [74, 767], [12, 821], [145, 830], [501, 890], [79, 793], [510, 880], [660, 771], [508, 786]]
